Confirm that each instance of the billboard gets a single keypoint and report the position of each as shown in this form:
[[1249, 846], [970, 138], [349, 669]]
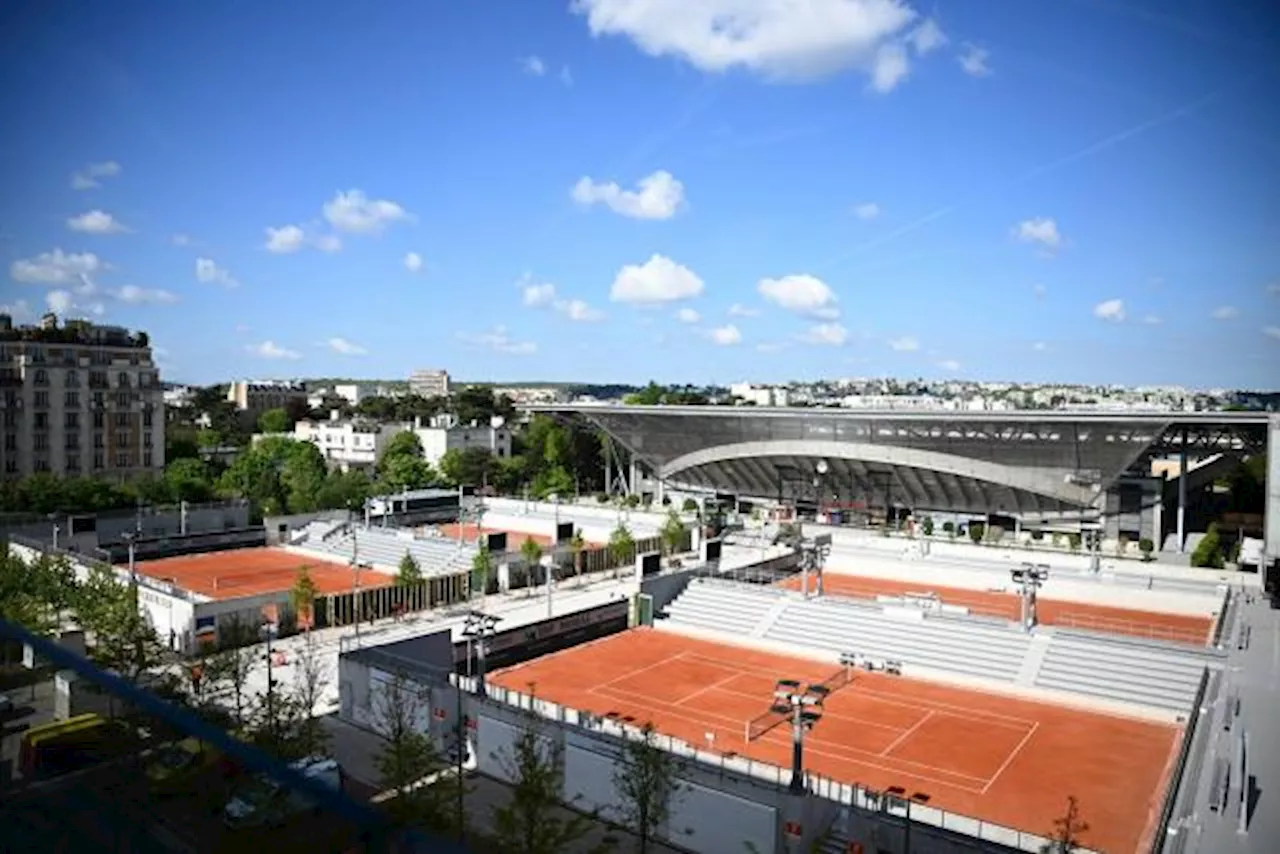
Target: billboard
[[650, 564], [564, 532], [713, 549], [497, 542]]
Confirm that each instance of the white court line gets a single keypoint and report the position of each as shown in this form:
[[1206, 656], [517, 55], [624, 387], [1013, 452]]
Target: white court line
[[705, 688], [663, 663], [846, 754], [907, 733], [1012, 755], [993, 718]]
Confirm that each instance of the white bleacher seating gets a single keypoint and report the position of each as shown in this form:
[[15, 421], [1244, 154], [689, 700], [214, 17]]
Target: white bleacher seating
[[722, 606], [1115, 670], [386, 548]]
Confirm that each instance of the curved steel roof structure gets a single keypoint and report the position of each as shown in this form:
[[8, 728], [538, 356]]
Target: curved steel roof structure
[[1025, 462]]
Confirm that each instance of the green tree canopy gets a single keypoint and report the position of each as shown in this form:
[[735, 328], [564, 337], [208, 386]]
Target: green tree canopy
[[409, 572], [469, 466], [275, 421]]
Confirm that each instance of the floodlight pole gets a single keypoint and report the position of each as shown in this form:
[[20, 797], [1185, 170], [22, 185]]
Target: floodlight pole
[[805, 711]]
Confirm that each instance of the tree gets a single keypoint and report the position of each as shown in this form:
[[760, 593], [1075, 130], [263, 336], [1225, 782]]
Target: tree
[[1208, 552], [531, 552], [622, 546], [927, 526], [532, 820], [188, 479], [1146, 546], [409, 573], [576, 545], [310, 680], [234, 663], [302, 596], [1067, 831], [470, 466], [672, 532], [275, 421], [481, 569], [645, 781], [689, 506], [408, 763], [123, 637]]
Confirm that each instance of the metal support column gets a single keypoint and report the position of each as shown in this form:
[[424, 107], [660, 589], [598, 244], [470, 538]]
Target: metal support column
[[1182, 492]]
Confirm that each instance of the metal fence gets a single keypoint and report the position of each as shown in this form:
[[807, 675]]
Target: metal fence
[[1183, 784]]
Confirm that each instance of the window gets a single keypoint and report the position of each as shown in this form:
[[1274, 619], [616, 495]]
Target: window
[[73, 463], [72, 400], [98, 461], [71, 420], [99, 420], [41, 465], [122, 400], [42, 377], [10, 466], [98, 441], [11, 441], [146, 459], [73, 379], [122, 459], [42, 400], [146, 439], [40, 441], [122, 419], [147, 417], [122, 380], [122, 440], [41, 421], [71, 441]]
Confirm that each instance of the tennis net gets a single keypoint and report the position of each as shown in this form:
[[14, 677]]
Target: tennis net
[[779, 712]]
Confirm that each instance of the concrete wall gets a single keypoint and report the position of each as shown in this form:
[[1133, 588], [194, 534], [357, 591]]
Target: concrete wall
[[279, 527], [1271, 524]]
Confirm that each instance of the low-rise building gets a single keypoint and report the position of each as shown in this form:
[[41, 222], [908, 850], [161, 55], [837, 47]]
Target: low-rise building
[[254, 397], [429, 383]]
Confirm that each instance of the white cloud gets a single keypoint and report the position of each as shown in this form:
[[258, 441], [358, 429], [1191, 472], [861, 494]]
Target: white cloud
[[1271, 332], [867, 210], [56, 268], [1041, 230], [208, 272], [285, 240], [974, 60], [890, 68], [778, 39], [802, 294], [656, 281], [740, 310], [578, 310], [829, 334], [1152, 320], [183, 240], [770, 346], [949, 365], [91, 175], [345, 347], [657, 196], [536, 294], [138, 296], [413, 262], [688, 315], [533, 65], [1039, 346], [499, 340], [1225, 312], [905, 344], [64, 302], [1040, 291], [96, 222], [725, 336], [566, 76], [242, 328], [327, 242], [272, 350], [356, 213], [19, 311], [1112, 310], [927, 37]]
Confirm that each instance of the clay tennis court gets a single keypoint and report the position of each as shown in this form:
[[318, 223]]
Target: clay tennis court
[[250, 572], [514, 538], [1105, 618], [996, 758]]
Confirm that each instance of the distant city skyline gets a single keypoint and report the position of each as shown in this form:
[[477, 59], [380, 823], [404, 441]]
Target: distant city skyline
[[1068, 192]]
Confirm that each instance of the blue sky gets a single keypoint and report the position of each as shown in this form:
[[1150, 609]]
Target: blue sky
[[614, 190]]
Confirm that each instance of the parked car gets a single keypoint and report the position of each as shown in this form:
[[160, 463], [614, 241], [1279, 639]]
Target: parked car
[[174, 765], [6, 705], [263, 801]]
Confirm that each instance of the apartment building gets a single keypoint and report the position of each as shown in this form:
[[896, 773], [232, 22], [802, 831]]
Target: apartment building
[[429, 383], [254, 397], [79, 400], [348, 444]]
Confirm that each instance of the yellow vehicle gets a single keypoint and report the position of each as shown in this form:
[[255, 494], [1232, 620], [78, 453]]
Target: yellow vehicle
[[174, 765], [61, 745]]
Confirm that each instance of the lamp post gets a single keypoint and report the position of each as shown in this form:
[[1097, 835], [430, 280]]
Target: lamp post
[[357, 600], [804, 705], [898, 795], [477, 628], [548, 567], [1029, 578]]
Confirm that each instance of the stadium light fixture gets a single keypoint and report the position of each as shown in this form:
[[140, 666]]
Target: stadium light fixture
[[803, 703], [1029, 577], [478, 627]]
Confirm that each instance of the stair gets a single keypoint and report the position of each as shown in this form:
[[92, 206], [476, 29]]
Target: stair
[[1036, 652]]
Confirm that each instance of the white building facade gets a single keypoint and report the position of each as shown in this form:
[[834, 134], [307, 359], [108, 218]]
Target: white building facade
[[80, 400]]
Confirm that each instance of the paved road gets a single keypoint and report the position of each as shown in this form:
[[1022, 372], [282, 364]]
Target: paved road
[[1252, 674], [33, 705]]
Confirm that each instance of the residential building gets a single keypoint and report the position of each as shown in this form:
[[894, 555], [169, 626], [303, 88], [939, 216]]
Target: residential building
[[761, 395], [345, 393], [527, 395], [438, 440], [429, 383], [348, 444], [254, 397], [79, 400]]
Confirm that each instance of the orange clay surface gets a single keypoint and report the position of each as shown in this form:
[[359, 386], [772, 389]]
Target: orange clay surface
[[1124, 621], [250, 572], [1004, 760], [514, 538]]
